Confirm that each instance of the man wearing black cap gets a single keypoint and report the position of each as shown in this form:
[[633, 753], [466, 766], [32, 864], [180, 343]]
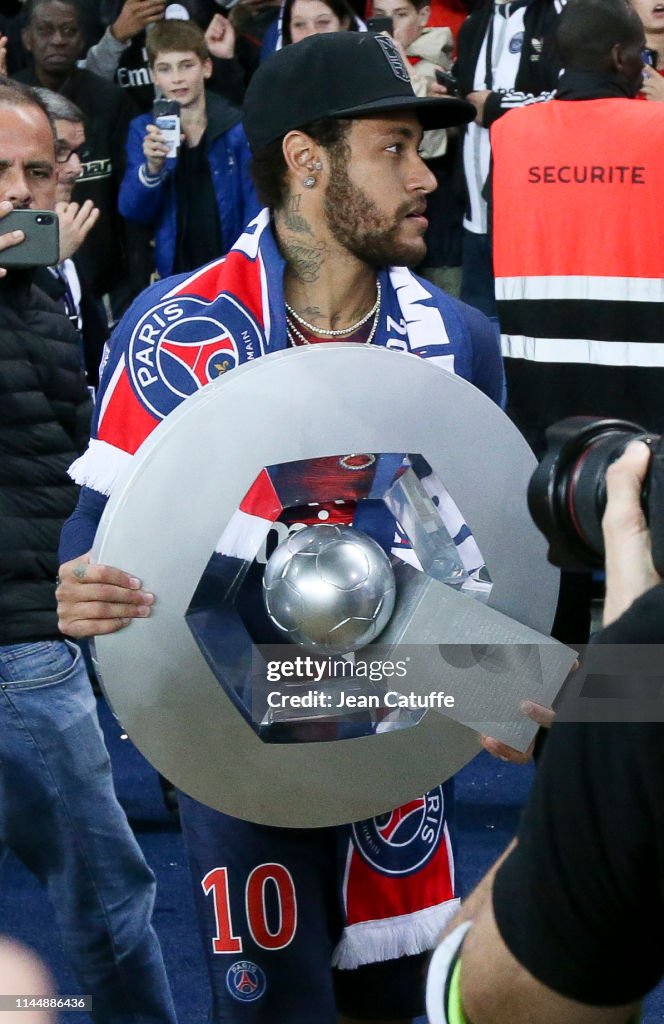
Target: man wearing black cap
[[334, 127]]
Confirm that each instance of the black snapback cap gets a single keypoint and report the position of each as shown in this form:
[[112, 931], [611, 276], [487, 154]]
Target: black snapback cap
[[338, 74]]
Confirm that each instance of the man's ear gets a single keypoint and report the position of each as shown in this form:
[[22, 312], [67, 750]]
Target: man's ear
[[26, 38], [617, 58], [302, 155], [424, 15], [207, 68]]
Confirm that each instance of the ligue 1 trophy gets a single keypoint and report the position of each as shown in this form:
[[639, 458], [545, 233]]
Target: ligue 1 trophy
[[344, 534]]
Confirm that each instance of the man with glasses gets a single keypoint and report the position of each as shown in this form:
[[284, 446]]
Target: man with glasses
[[68, 282], [54, 39], [71, 150]]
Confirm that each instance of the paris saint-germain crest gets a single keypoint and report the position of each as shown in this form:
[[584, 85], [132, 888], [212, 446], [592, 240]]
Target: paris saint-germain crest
[[402, 841], [245, 981], [183, 343]]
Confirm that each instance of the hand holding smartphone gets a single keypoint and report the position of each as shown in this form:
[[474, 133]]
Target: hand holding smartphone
[[449, 81], [39, 245], [649, 57], [166, 115]]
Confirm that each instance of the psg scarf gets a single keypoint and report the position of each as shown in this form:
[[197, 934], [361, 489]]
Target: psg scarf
[[184, 332]]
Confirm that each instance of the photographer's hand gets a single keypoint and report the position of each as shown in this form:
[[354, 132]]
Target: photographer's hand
[[629, 566]]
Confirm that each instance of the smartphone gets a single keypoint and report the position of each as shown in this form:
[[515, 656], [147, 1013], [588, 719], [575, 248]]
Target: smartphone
[[166, 115], [449, 81], [649, 56], [41, 245], [383, 24]]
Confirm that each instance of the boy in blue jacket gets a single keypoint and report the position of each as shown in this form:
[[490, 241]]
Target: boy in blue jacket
[[200, 200]]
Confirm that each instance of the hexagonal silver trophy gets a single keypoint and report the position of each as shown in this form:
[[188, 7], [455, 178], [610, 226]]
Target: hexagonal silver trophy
[[190, 683]]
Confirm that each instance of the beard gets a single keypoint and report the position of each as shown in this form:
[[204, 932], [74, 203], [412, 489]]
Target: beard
[[357, 223]]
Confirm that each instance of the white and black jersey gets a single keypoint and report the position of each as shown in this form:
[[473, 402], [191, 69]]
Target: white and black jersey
[[505, 47]]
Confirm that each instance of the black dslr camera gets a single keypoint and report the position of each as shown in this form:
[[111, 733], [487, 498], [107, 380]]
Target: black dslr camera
[[567, 492]]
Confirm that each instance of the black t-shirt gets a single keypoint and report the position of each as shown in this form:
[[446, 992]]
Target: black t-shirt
[[198, 229], [580, 902]]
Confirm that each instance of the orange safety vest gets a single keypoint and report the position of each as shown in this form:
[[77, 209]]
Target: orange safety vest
[[578, 232]]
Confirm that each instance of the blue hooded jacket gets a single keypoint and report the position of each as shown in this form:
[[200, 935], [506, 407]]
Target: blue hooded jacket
[[155, 204]]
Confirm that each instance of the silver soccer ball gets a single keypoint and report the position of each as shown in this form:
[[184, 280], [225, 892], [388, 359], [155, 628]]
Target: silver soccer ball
[[330, 587]]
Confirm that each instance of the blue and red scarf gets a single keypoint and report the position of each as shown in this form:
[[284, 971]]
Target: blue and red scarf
[[184, 332]]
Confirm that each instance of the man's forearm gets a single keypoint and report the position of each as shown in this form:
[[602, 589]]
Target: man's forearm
[[499, 103], [104, 57], [481, 894], [79, 530], [494, 988], [497, 989]]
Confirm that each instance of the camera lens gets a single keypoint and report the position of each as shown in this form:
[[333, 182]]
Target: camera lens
[[44, 218], [567, 492]]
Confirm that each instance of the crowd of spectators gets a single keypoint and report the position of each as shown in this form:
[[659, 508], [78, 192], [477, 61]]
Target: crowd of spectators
[[132, 211], [501, 55]]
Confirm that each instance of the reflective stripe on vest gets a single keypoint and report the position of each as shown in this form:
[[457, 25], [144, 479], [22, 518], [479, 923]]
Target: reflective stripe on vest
[[582, 350]]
